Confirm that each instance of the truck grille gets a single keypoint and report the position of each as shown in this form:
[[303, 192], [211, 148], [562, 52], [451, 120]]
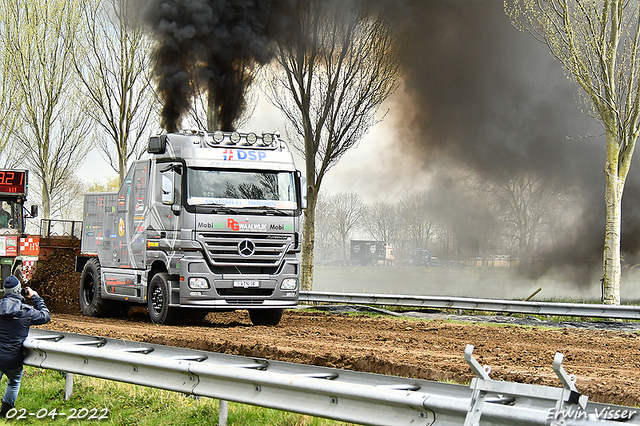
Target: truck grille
[[260, 253]]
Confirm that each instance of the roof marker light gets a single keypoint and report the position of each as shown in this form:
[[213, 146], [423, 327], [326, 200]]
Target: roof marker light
[[251, 138], [218, 136]]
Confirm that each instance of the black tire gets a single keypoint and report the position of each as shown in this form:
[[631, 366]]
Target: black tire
[[19, 273], [90, 297], [265, 316], [158, 301]]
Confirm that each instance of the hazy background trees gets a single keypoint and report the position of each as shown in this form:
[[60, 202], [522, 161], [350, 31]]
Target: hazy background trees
[[516, 218]]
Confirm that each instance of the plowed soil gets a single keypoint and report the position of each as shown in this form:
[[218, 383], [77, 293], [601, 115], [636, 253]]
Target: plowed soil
[[606, 363]]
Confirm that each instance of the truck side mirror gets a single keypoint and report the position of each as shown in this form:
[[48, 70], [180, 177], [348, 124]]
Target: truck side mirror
[[34, 210], [303, 190], [167, 191]]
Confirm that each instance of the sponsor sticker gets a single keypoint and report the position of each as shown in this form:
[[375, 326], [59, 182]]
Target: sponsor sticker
[[121, 227]]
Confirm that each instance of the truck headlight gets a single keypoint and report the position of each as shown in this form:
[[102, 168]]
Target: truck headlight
[[198, 283], [289, 284]]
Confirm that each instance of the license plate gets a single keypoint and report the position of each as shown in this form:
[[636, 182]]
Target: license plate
[[246, 284]]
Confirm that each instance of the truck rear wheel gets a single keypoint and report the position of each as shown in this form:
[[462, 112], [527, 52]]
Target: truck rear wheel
[[91, 302], [18, 273], [265, 316], [158, 300]]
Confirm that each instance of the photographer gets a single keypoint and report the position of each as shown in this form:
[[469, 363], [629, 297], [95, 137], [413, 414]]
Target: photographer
[[15, 319]]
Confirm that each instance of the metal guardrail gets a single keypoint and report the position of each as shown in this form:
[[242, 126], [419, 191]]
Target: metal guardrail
[[630, 312], [361, 398]]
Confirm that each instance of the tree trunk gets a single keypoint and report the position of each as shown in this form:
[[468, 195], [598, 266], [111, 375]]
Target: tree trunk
[[611, 254], [308, 241], [122, 165], [522, 253], [46, 203]]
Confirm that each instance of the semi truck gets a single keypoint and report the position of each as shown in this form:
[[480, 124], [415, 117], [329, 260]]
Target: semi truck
[[207, 221], [366, 252]]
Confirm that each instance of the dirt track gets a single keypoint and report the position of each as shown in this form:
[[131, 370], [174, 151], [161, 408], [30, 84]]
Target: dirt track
[[606, 363]]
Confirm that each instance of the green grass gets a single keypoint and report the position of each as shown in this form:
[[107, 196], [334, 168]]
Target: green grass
[[42, 392]]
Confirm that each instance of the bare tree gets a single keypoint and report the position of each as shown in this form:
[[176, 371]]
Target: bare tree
[[116, 75], [525, 204], [9, 100], [325, 237], [329, 82], [597, 42], [381, 221], [52, 122], [348, 213], [417, 219]]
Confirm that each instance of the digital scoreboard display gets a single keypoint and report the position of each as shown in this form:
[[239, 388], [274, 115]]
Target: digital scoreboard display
[[13, 182]]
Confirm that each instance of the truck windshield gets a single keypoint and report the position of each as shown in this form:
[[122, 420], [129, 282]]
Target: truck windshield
[[241, 189]]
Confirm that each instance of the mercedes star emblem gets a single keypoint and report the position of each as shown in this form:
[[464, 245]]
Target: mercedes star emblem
[[246, 248]]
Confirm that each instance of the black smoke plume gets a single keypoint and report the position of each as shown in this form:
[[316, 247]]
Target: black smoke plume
[[485, 96], [214, 42]]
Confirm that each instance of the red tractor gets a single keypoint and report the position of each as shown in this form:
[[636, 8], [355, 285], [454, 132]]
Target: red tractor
[[19, 252]]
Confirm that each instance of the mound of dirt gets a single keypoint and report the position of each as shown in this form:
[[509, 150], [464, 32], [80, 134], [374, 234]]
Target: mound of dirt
[[57, 282]]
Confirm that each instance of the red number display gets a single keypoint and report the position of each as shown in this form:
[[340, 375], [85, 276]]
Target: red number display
[[12, 182]]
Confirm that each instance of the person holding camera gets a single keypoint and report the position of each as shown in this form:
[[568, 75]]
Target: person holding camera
[[15, 319]]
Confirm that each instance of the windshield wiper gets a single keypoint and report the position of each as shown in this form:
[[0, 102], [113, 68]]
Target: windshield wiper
[[217, 207], [271, 209]]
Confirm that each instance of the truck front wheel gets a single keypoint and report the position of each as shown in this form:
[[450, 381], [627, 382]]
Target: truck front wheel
[[91, 302], [158, 300], [265, 316]]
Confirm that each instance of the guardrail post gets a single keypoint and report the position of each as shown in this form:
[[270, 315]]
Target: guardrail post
[[68, 385], [478, 397], [224, 413], [570, 394]]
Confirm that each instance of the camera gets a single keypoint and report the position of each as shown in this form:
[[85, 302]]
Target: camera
[[23, 291]]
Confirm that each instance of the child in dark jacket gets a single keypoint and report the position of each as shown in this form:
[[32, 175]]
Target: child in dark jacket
[[15, 319]]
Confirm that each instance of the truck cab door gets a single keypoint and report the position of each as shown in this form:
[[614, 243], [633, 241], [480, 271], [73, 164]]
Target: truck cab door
[[168, 196]]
